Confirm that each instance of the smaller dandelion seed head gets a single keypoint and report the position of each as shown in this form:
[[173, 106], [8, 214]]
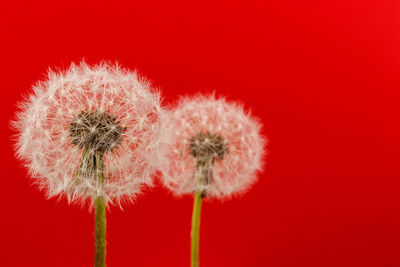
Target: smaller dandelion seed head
[[198, 159], [208, 146], [96, 131]]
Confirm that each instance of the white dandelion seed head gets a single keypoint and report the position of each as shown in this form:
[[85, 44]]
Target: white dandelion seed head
[[217, 137], [91, 109]]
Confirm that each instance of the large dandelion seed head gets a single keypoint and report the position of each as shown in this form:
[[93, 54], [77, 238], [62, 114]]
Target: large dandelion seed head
[[75, 117], [217, 148]]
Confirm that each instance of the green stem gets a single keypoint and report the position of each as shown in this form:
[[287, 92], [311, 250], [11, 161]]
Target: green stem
[[196, 229], [99, 215], [93, 162], [100, 232]]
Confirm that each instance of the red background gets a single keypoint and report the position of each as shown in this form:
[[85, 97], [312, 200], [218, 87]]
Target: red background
[[324, 78]]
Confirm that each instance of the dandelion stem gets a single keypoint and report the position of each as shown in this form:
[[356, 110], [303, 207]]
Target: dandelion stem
[[196, 229], [100, 232], [99, 215]]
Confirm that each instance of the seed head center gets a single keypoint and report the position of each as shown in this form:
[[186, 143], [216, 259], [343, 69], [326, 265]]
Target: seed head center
[[208, 147], [96, 130]]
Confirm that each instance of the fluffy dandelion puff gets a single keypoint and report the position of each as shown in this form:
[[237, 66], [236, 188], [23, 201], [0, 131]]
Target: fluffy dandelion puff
[[217, 148], [87, 121]]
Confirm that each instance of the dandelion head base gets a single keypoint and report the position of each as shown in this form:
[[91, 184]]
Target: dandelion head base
[[206, 148], [96, 130]]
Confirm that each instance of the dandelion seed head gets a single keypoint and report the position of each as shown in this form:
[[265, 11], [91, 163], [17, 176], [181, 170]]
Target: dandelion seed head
[[217, 148], [84, 112]]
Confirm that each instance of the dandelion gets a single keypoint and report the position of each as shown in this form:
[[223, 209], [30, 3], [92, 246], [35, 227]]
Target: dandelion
[[217, 151], [93, 134]]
